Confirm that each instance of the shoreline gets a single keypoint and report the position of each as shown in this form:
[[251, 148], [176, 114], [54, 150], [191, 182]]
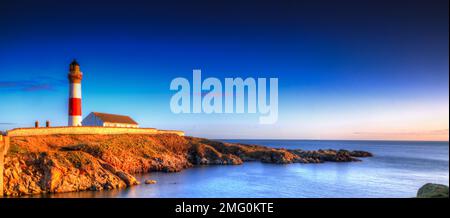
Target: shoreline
[[68, 163]]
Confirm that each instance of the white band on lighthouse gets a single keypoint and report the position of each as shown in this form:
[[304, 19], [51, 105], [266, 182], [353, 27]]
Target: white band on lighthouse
[[75, 120], [75, 90]]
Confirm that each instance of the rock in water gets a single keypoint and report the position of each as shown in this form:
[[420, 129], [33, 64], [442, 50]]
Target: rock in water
[[360, 154], [431, 190], [150, 181]]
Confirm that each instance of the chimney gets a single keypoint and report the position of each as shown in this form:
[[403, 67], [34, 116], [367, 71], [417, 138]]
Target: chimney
[[36, 124], [47, 123]]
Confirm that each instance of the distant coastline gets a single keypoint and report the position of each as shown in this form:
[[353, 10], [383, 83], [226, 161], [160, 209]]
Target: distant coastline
[[361, 140]]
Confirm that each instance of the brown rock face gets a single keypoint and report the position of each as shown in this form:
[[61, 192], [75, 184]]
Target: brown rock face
[[204, 154], [58, 172], [66, 163]]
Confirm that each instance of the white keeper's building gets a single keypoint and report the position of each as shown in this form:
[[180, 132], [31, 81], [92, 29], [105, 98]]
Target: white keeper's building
[[109, 120]]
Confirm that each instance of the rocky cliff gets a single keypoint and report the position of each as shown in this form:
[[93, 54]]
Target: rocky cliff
[[65, 163]]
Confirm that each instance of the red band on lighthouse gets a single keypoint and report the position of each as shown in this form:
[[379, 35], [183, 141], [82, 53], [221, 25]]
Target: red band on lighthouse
[[74, 106]]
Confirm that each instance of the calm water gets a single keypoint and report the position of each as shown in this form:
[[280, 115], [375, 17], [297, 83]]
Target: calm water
[[398, 169]]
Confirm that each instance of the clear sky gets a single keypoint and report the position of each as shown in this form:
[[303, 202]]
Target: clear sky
[[346, 70]]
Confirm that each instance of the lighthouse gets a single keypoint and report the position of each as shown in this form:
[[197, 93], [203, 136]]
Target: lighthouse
[[75, 76]]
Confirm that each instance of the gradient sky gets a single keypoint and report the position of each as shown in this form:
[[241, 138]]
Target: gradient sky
[[347, 70]]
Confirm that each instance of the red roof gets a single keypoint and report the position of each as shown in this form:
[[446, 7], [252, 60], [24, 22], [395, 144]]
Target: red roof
[[114, 118]]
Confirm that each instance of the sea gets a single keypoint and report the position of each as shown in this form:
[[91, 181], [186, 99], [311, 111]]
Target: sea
[[397, 170]]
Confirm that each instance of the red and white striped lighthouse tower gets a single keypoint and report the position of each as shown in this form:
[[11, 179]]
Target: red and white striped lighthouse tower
[[75, 76]]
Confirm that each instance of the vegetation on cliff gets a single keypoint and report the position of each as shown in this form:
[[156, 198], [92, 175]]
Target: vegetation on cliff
[[64, 163]]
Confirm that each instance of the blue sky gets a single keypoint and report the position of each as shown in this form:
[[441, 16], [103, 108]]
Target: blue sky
[[353, 70]]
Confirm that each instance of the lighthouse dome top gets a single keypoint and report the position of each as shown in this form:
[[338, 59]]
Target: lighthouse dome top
[[75, 62]]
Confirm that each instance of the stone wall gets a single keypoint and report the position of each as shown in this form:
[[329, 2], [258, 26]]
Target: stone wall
[[81, 130], [180, 133]]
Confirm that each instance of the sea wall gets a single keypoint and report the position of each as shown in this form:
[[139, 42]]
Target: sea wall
[[81, 130]]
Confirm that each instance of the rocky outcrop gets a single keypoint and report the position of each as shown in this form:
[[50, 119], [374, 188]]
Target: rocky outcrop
[[61, 172], [66, 163], [203, 154], [431, 190]]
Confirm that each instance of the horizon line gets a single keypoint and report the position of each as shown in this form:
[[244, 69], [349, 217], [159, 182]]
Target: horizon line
[[394, 140]]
